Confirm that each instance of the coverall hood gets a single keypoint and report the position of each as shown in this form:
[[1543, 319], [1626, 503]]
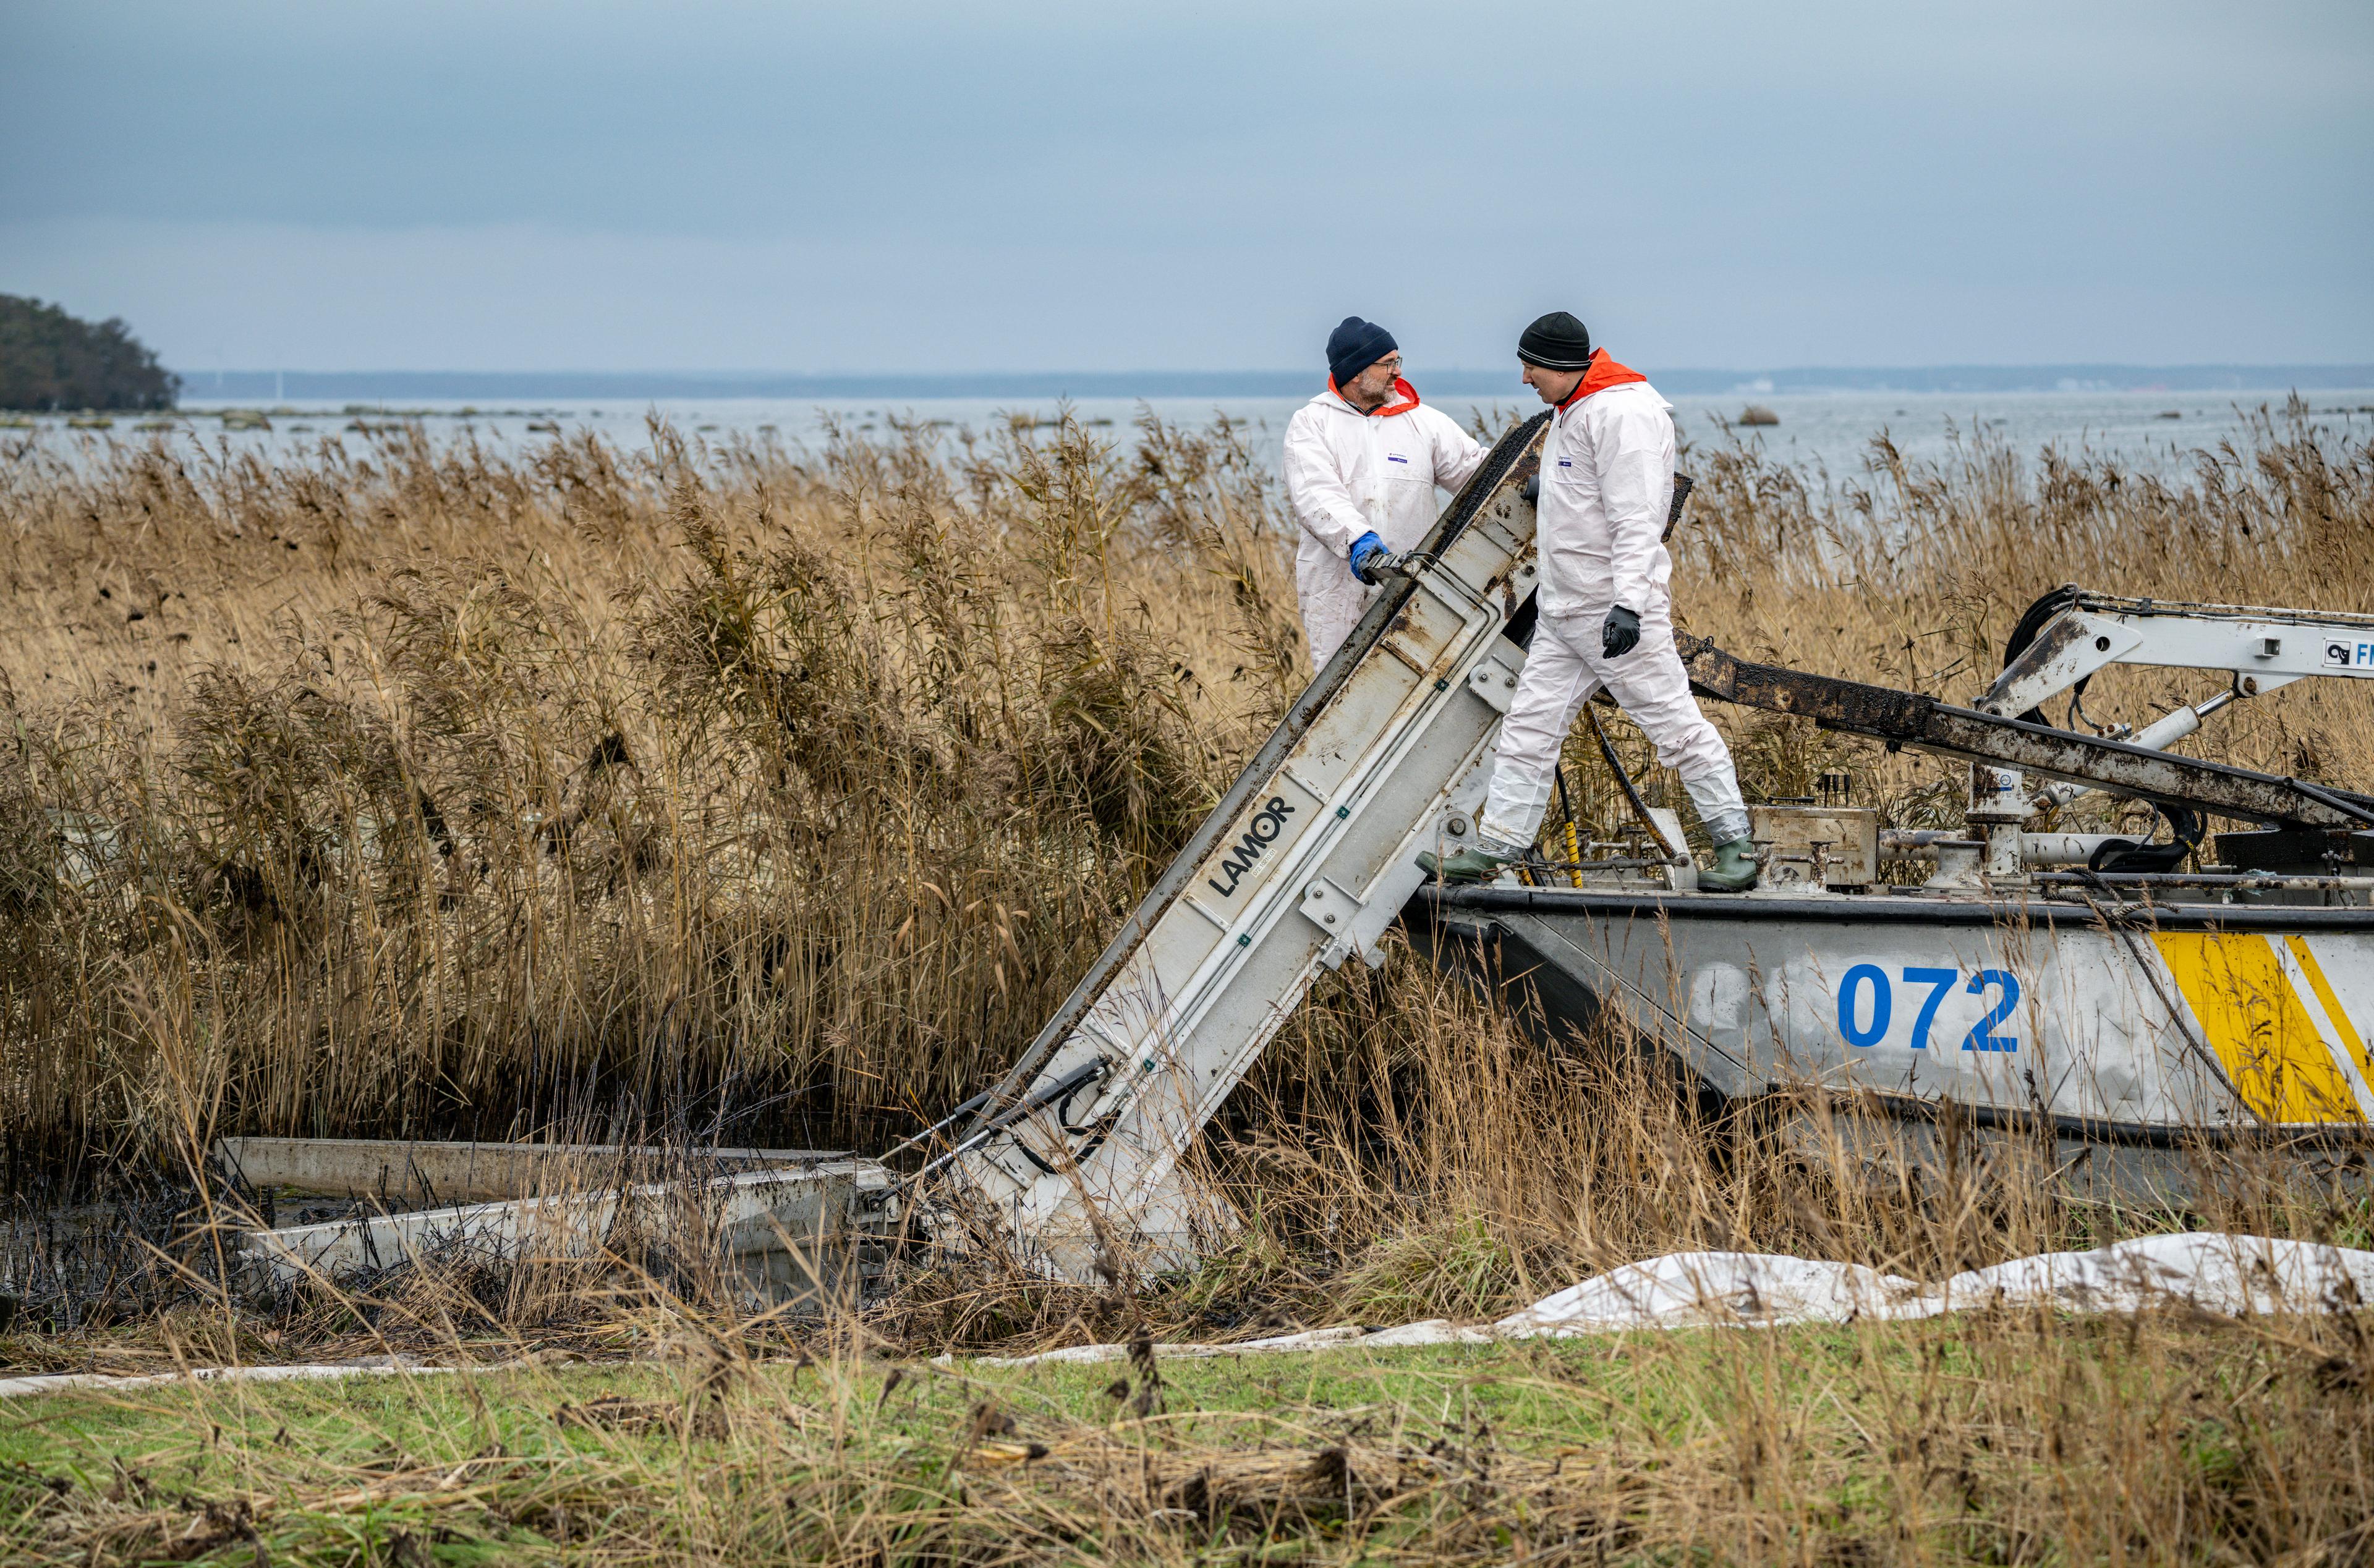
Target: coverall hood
[[1603, 373]]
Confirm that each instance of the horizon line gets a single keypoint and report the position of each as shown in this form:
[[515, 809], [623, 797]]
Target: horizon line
[[1446, 381], [786, 374]]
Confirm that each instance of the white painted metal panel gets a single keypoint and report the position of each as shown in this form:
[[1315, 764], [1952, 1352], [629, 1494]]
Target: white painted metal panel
[[2198, 1025]]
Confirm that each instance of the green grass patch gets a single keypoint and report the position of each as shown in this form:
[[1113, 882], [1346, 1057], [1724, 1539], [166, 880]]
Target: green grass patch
[[1988, 1439]]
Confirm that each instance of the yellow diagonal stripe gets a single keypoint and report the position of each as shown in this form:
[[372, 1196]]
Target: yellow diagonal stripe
[[2256, 1021], [2332, 1003]]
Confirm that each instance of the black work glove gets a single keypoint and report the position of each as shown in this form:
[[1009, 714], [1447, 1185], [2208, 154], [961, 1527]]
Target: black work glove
[[1532, 490], [1620, 634]]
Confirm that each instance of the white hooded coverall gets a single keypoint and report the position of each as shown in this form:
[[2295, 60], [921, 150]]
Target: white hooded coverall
[[1607, 482], [1349, 473]]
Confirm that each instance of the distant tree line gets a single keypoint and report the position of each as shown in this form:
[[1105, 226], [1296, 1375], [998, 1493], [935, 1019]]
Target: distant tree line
[[50, 360]]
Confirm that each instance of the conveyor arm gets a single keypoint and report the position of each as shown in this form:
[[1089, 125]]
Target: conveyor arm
[[1075, 1154], [1905, 719]]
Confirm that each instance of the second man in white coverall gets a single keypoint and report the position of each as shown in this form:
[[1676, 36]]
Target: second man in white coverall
[[1362, 462], [1606, 610]]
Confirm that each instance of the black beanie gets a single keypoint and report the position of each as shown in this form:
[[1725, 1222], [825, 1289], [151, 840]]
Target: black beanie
[[1556, 342], [1354, 345]]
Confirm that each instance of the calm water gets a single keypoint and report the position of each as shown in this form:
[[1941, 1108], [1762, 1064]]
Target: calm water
[[1824, 430]]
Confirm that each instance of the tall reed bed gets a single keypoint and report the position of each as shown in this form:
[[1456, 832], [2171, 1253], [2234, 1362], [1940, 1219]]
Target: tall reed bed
[[776, 795], [428, 791]]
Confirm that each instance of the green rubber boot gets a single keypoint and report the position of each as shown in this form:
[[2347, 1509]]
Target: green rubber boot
[[1734, 870], [1468, 865]]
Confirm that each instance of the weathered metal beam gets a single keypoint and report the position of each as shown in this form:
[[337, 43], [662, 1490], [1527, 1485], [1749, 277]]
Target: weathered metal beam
[[1907, 719], [763, 1222], [400, 1171]]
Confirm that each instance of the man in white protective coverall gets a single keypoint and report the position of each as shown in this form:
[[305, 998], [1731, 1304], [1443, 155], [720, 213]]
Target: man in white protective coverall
[[1606, 613], [1362, 461]]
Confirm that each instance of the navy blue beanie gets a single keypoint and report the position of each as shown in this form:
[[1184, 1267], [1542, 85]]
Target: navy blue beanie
[[1354, 346]]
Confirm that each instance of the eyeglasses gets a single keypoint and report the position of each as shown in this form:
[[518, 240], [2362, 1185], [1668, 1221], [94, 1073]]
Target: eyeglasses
[[1391, 366]]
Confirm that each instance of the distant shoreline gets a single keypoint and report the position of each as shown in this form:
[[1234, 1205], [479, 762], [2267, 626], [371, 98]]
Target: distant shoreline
[[543, 384]]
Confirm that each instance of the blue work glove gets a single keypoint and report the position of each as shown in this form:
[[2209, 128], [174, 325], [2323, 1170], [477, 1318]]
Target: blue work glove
[[1366, 549], [1620, 634]]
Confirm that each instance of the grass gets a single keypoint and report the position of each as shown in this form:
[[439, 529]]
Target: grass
[[776, 796], [2024, 1440]]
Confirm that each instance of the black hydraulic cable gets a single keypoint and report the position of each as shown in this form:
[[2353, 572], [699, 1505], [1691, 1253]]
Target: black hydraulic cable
[[1632, 795], [942, 1125], [1062, 1088], [2324, 796]]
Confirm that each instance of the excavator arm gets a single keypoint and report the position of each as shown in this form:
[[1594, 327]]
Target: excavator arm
[[2264, 648]]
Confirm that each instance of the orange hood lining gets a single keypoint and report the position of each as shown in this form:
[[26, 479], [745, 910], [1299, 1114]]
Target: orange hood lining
[[1603, 372], [1388, 409]]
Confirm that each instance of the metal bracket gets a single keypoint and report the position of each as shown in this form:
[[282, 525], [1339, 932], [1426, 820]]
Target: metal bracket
[[2069, 649], [1495, 683], [1333, 911], [1668, 823]]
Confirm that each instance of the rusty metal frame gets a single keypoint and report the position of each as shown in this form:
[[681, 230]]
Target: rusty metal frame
[[1907, 719]]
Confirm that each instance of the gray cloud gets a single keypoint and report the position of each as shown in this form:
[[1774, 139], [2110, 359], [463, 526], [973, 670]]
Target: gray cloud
[[913, 186]]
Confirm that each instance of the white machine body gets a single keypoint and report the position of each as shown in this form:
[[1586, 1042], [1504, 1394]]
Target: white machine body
[[1075, 1157]]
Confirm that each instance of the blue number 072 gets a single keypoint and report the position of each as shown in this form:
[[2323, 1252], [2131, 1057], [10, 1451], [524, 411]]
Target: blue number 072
[[1864, 1023]]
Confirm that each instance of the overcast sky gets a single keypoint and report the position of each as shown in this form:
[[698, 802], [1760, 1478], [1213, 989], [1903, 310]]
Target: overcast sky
[[909, 186]]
